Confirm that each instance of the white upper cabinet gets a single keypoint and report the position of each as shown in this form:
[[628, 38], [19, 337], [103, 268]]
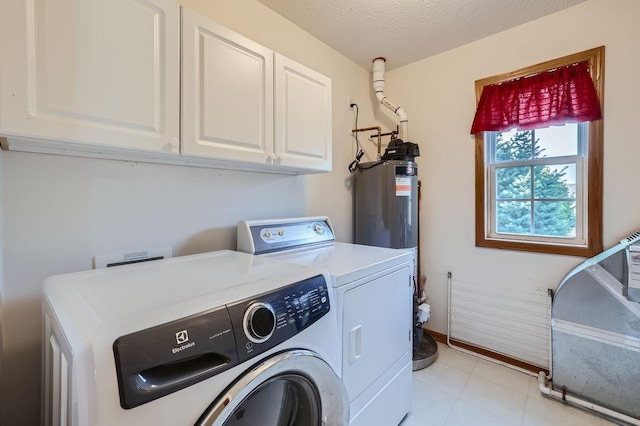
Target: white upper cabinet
[[97, 72], [147, 80], [227, 93], [235, 107], [303, 116]]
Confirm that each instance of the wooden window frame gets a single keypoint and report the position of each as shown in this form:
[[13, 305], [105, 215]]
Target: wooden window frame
[[594, 159]]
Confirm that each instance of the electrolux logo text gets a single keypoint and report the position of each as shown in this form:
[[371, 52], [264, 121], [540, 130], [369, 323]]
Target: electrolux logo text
[[182, 337]]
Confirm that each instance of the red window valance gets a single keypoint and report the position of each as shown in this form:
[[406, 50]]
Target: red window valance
[[555, 97]]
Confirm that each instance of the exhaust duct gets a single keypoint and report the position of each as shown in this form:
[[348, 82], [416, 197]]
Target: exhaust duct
[[378, 88]]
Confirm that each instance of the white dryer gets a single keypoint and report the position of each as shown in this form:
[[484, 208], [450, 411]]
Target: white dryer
[[374, 288], [222, 338]]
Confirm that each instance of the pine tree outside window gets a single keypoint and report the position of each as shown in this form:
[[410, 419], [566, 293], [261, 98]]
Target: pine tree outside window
[[540, 189]]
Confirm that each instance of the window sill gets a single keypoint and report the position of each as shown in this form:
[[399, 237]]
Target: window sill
[[581, 251]]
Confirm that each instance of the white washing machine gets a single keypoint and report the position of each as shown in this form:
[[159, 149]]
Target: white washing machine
[[222, 338], [374, 288]]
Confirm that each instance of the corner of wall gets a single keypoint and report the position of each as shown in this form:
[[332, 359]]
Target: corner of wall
[[2, 234]]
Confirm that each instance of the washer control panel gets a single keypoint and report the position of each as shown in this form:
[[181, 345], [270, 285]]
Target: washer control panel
[[160, 360], [272, 318], [259, 237]]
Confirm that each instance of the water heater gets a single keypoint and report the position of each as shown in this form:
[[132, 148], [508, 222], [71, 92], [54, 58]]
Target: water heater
[[386, 210]]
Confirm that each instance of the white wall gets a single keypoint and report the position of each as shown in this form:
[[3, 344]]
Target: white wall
[[59, 212], [438, 94]]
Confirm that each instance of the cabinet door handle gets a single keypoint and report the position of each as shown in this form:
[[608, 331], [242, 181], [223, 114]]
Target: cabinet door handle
[[355, 344], [271, 158], [280, 159]]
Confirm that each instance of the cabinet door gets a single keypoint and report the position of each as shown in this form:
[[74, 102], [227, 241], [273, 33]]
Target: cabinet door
[[302, 117], [227, 93], [97, 72]]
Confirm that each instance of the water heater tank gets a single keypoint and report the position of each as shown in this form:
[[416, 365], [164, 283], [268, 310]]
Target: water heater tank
[[386, 210]]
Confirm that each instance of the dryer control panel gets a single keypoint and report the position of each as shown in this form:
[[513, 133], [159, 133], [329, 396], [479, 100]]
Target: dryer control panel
[[157, 361], [259, 237]]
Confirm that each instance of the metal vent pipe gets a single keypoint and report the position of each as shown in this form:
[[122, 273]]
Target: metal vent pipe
[[378, 88]]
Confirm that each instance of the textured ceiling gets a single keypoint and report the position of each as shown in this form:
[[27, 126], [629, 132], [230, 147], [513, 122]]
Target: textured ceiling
[[404, 31]]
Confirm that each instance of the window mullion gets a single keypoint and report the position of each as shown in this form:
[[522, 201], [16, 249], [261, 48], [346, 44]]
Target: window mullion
[[533, 144]]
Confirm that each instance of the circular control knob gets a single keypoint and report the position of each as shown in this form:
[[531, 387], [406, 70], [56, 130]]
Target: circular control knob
[[318, 228], [259, 322]]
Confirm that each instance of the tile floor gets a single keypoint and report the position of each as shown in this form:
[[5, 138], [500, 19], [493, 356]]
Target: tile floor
[[460, 389]]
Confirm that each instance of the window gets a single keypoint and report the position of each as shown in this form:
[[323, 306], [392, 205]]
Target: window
[[534, 176], [540, 189]]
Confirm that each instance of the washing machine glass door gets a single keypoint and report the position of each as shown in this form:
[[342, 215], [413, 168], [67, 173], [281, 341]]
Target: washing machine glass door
[[294, 388]]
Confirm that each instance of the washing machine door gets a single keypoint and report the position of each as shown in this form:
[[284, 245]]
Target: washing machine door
[[293, 388]]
